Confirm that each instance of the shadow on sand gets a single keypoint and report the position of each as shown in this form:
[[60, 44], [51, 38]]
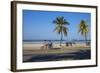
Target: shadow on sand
[[79, 55]]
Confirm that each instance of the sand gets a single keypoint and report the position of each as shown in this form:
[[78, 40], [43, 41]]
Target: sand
[[35, 49], [30, 49], [28, 46]]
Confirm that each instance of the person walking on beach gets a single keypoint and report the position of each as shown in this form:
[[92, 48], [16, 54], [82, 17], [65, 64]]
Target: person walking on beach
[[70, 43], [67, 44], [50, 45]]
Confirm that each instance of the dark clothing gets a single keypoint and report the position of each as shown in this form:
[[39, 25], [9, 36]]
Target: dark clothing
[[50, 45]]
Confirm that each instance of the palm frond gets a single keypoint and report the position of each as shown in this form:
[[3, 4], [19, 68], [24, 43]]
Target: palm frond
[[65, 31], [60, 26], [58, 30], [83, 27], [60, 21]]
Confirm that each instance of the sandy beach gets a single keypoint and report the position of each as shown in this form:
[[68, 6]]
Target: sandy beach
[[30, 49], [30, 46]]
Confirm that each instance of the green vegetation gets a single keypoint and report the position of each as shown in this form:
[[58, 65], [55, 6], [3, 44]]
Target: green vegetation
[[83, 29], [61, 27]]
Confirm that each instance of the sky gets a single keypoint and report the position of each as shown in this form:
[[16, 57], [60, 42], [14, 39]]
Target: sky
[[38, 25]]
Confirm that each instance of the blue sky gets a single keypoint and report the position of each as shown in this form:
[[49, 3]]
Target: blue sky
[[38, 25]]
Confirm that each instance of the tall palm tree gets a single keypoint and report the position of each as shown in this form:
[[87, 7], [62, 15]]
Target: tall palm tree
[[60, 27], [83, 29]]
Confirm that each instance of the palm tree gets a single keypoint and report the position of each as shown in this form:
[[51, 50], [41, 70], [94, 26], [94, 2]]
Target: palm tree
[[60, 27], [83, 29]]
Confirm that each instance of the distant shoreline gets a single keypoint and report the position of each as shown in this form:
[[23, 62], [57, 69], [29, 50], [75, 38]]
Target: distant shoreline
[[54, 40]]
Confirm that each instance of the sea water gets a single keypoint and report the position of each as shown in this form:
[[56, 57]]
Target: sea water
[[53, 41]]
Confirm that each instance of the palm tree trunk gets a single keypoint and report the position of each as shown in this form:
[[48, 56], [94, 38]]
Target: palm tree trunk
[[61, 39], [86, 39]]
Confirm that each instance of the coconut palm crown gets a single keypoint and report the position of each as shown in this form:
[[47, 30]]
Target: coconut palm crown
[[61, 27], [83, 29]]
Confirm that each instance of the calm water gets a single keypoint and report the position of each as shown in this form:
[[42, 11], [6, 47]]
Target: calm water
[[53, 41]]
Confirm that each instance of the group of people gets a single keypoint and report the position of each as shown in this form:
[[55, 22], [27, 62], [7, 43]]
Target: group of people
[[47, 45], [69, 43]]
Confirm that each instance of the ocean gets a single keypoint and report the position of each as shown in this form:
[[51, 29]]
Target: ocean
[[53, 41]]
